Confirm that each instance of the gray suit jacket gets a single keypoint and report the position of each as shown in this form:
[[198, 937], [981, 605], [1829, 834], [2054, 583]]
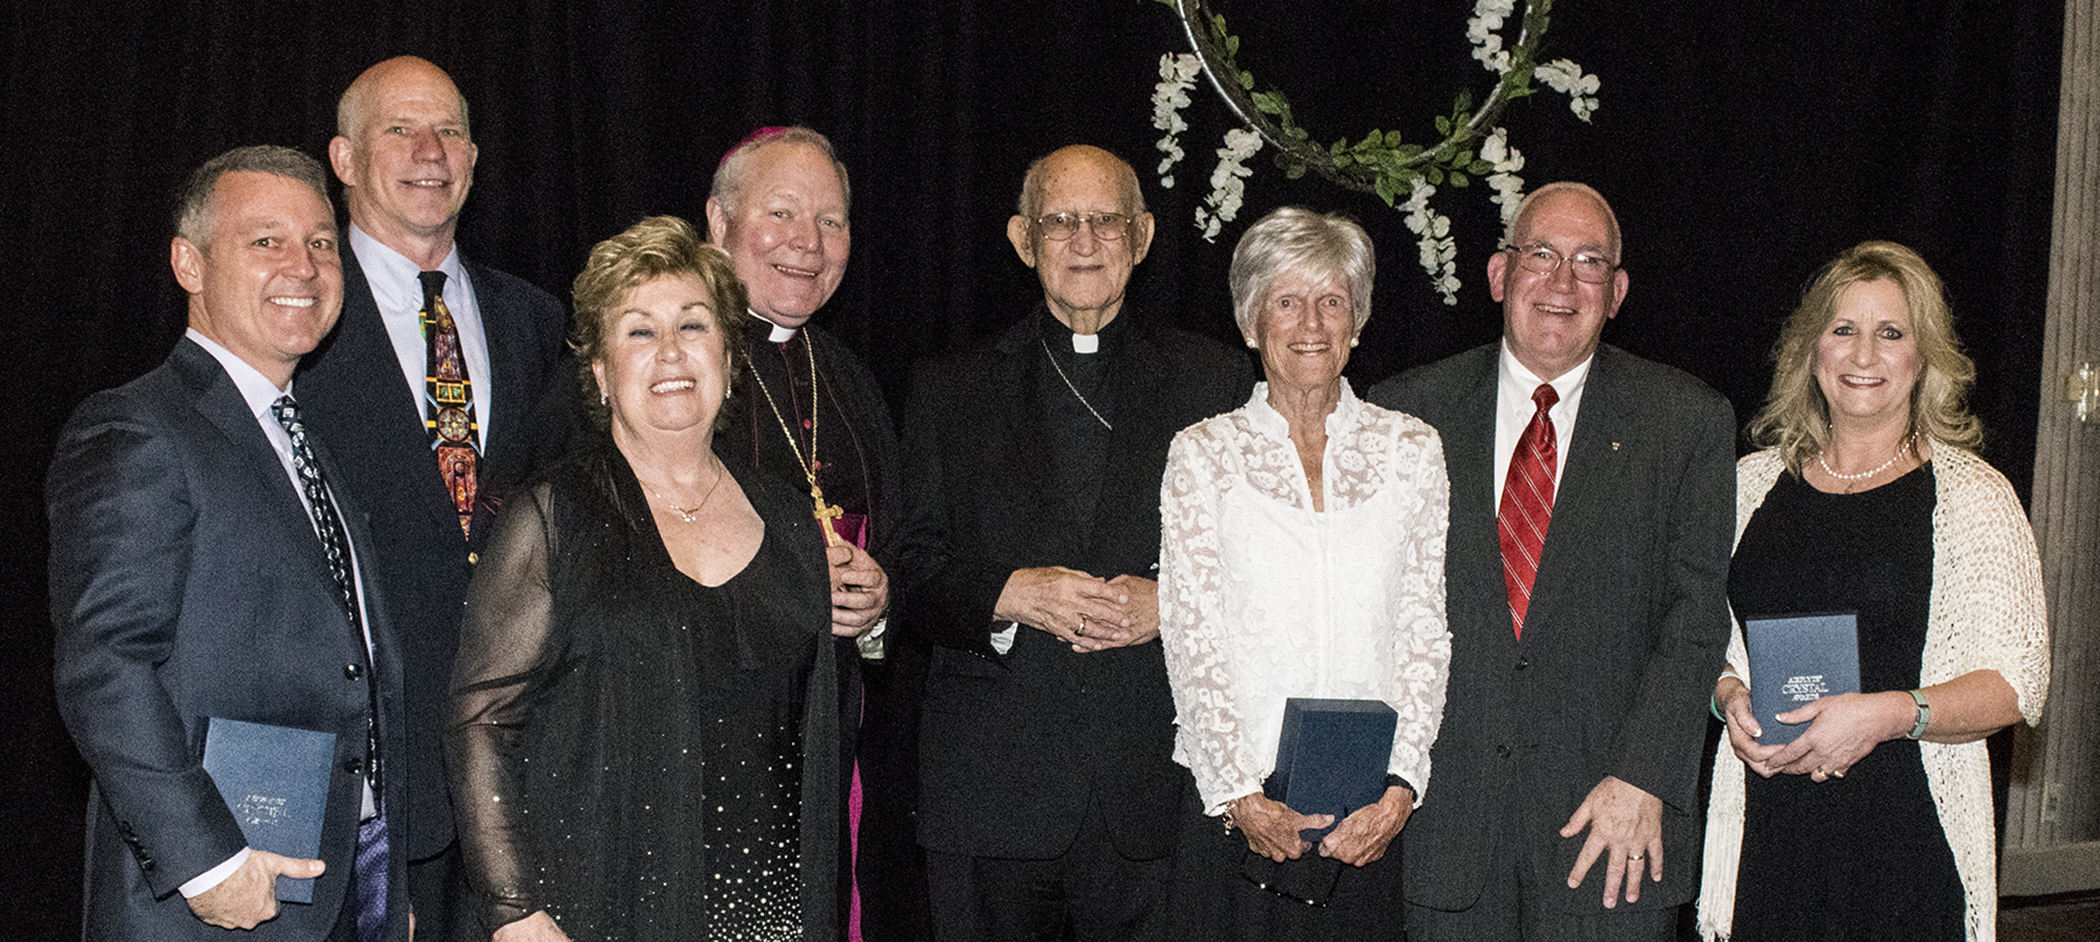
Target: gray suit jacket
[[187, 583], [1624, 636]]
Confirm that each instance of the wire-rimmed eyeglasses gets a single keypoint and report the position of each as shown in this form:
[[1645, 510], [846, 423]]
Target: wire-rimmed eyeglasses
[[1057, 227], [1544, 260]]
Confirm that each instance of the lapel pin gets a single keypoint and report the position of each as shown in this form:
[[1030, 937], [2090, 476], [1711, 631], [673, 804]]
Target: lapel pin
[[1615, 446]]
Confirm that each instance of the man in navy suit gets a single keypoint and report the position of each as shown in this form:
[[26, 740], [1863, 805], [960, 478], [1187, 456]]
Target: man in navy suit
[[427, 450], [203, 565], [1568, 762]]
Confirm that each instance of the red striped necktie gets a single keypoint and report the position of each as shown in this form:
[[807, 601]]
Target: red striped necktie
[[1527, 505]]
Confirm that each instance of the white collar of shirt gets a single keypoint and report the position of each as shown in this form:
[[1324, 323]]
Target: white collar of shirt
[[1514, 385], [398, 291], [775, 332], [1267, 420]]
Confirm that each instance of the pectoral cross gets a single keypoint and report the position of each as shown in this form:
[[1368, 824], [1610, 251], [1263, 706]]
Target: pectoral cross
[[825, 513]]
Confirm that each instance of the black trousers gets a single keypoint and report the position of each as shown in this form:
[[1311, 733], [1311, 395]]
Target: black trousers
[[1089, 894]]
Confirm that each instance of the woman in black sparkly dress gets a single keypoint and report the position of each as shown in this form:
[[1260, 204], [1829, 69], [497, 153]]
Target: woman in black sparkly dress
[[1876, 822], [645, 734]]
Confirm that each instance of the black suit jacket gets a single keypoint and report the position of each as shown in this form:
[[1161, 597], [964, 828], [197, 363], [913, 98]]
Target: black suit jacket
[[1622, 641], [1016, 747], [187, 583], [351, 391]]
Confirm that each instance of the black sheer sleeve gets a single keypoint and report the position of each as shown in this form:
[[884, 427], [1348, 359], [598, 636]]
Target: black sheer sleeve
[[509, 654]]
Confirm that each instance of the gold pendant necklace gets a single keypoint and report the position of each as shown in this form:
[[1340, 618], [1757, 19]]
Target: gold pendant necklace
[[692, 515], [825, 513]]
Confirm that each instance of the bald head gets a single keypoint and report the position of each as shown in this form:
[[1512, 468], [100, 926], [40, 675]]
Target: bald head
[[405, 157]]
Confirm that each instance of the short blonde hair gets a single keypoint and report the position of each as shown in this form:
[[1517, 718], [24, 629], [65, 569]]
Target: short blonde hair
[[650, 249], [1796, 418]]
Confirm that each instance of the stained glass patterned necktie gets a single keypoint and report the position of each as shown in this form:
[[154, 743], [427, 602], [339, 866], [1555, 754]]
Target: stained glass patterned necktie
[[369, 870], [449, 411], [1527, 505]]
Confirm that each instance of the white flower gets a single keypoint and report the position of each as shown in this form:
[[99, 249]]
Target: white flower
[[1437, 250], [1488, 17], [1177, 74], [1566, 77], [1228, 184], [1506, 160]]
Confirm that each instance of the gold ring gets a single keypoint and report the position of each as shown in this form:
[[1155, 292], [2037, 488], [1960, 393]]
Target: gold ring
[[1080, 632], [1636, 858]]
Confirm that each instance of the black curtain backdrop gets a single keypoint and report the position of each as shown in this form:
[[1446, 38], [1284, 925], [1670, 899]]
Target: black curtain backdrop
[[1742, 144]]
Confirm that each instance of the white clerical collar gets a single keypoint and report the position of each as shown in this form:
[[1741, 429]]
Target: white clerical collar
[[779, 334], [1086, 343]]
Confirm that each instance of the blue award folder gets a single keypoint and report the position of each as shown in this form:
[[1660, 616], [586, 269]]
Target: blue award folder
[[1332, 757], [275, 780], [1795, 660]]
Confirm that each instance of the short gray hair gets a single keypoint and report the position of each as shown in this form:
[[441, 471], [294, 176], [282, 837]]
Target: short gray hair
[[194, 205], [1300, 240], [729, 174], [1611, 219]]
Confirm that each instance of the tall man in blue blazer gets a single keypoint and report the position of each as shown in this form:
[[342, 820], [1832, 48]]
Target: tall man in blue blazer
[[1032, 467], [1568, 762], [427, 452], [192, 578]]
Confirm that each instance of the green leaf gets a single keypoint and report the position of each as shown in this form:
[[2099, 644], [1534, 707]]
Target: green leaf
[[1384, 186], [1266, 103], [1342, 159], [1434, 175], [1392, 138], [1480, 168], [1232, 45], [1246, 80], [1409, 152], [1443, 125], [1458, 179], [1294, 171], [1295, 133], [1368, 145], [1464, 104]]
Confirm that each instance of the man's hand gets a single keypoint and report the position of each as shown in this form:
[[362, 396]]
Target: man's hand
[[1368, 831], [860, 590], [1141, 603], [1625, 825], [1271, 827], [248, 898], [1081, 610]]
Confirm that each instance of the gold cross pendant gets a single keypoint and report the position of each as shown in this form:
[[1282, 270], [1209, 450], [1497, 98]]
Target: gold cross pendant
[[825, 513]]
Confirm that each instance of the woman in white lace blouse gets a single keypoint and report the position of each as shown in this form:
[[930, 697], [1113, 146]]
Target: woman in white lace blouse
[[1302, 556]]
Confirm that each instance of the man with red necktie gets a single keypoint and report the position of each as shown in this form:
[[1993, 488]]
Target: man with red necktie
[[1591, 507]]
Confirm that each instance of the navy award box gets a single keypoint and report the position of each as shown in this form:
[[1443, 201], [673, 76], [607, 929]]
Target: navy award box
[[275, 780], [1797, 659], [1332, 757]]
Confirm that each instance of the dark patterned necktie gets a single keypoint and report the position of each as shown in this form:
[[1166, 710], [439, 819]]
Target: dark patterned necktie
[[449, 413], [368, 872], [1527, 505]]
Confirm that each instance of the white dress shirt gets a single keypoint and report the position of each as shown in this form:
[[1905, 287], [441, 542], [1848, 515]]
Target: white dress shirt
[[399, 293], [1513, 410]]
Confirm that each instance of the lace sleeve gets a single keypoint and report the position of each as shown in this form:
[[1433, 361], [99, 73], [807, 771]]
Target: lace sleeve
[[506, 654], [1209, 739], [1422, 639]]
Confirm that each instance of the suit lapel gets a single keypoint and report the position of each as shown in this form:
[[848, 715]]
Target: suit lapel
[[1469, 457], [491, 296]]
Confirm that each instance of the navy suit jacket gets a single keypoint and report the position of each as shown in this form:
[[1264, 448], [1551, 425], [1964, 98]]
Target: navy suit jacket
[[1016, 747], [352, 394], [1623, 639], [187, 583]]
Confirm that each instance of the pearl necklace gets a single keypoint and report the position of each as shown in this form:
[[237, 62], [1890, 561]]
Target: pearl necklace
[[1901, 450]]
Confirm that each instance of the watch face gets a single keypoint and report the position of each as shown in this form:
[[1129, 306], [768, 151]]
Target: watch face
[[452, 424]]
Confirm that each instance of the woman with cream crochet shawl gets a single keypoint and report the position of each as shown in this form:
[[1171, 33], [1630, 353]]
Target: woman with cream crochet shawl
[[1876, 822]]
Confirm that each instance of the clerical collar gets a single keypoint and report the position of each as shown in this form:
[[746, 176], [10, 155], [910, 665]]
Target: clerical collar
[[779, 334], [1082, 344], [1086, 343]]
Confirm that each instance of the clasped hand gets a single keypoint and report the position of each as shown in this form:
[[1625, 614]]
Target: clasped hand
[[860, 590], [1272, 827], [1842, 729], [1085, 611]]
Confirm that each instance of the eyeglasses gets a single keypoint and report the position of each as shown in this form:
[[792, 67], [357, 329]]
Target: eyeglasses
[[1057, 227], [1542, 259]]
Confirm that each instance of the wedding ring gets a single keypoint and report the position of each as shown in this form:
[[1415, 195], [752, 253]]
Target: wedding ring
[[1080, 632], [1636, 858], [1837, 775]]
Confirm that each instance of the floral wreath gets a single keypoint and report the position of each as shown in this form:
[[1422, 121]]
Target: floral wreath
[[1404, 175]]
